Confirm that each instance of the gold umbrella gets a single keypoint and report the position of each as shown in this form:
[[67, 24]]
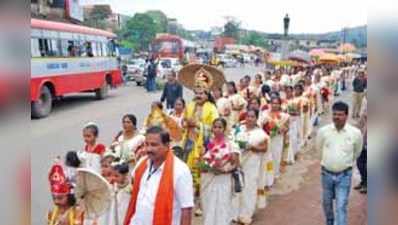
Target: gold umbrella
[[203, 75]]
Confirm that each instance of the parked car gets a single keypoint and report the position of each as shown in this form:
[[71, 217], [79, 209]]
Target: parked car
[[228, 61], [135, 71], [167, 65]]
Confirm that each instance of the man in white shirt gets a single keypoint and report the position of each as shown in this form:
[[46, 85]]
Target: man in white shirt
[[341, 145], [163, 189]]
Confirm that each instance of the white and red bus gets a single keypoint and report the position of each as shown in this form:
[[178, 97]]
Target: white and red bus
[[167, 46], [68, 58]]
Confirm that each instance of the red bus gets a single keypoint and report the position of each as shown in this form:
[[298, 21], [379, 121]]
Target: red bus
[[68, 58], [167, 46]]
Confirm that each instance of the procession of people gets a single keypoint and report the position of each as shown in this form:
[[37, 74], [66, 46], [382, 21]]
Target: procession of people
[[218, 155]]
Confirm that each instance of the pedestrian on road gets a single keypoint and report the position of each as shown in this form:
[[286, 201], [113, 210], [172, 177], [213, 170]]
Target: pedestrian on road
[[152, 73], [163, 189], [171, 91], [359, 85], [340, 144]]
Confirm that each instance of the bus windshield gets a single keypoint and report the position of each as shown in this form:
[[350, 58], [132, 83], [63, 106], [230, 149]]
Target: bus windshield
[[166, 46]]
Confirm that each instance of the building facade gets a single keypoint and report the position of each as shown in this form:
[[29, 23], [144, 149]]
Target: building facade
[[57, 10]]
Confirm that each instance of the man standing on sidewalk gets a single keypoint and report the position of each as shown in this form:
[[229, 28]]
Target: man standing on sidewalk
[[359, 85], [341, 145]]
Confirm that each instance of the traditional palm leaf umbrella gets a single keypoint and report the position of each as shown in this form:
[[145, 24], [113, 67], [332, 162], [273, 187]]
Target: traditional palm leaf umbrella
[[93, 193]]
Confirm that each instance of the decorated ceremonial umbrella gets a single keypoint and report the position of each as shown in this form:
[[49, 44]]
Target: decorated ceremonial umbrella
[[346, 47], [93, 193], [192, 74], [283, 63], [316, 52], [300, 56], [329, 58]]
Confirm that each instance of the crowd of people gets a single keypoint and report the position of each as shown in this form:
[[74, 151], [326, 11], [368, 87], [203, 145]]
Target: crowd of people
[[219, 155]]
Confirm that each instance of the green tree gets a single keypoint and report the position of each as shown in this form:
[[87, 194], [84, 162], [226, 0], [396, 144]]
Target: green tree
[[232, 28], [160, 19], [254, 38], [97, 16], [138, 32], [185, 34]]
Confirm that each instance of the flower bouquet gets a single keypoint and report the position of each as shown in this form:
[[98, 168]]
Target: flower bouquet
[[240, 138], [272, 128], [215, 159]]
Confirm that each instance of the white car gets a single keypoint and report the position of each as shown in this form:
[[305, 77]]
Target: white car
[[135, 71], [228, 61], [167, 65]]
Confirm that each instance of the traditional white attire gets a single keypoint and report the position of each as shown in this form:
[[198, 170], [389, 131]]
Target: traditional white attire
[[277, 120], [119, 204], [148, 192], [254, 173], [293, 133], [126, 148], [216, 189], [236, 101]]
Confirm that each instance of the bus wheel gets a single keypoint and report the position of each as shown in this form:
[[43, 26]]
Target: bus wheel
[[42, 107], [102, 92]]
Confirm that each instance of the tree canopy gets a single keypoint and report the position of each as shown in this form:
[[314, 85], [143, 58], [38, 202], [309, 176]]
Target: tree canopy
[[97, 16], [160, 19], [254, 38], [138, 32], [232, 28]]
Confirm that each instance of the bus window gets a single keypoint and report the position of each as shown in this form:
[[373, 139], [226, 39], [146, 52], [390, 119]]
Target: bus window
[[71, 49], [94, 48], [34, 47], [55, 48], [99, 49], [80, 48], [104, 50], [89, 49], [112, 48], [43, 47], [65, 48]]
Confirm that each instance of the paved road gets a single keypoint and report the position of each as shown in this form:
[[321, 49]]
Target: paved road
[[61, 131]]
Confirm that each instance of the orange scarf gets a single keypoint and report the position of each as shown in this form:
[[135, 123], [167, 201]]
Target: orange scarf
[[163, 211]]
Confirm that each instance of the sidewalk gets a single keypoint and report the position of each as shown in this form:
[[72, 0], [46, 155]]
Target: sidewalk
[[303, 206]]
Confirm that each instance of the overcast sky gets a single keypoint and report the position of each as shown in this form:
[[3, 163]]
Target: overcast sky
[[307, 16]]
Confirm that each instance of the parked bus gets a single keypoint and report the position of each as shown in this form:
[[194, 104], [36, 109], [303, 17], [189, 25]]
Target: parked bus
[[68, 58], [167, 46]]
